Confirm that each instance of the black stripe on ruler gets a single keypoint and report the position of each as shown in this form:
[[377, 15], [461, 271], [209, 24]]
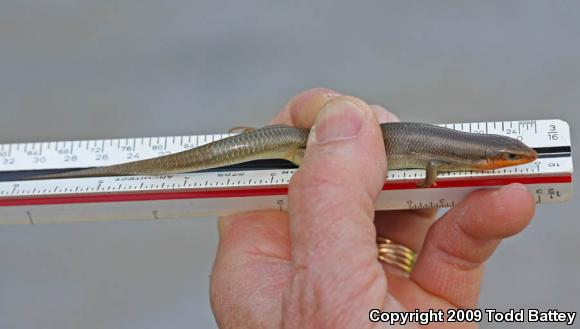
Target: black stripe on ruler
[[554, 155], [554, 152], [553, 149], [251, 165]]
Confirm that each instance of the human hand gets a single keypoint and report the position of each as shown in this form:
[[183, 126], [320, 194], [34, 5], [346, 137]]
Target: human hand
[[316, 266]]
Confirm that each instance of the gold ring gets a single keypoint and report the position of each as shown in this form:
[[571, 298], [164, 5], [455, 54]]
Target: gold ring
[[397, 255]]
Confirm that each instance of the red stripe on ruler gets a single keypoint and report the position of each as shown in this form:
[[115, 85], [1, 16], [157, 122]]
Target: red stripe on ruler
[[264, 191]]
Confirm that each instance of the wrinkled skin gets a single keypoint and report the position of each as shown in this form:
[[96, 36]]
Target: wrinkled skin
[[316, 266]]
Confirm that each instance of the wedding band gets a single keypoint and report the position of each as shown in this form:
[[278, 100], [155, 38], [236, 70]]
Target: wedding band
[[397, 255]]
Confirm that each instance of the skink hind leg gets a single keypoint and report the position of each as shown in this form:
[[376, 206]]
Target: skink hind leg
[[247, 129], [241, 129], [430, 175]]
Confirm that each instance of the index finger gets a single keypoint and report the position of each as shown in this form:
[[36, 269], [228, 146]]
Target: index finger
[[301, 110]]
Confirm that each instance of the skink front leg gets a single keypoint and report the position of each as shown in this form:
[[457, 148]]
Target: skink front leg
[[430, 175]]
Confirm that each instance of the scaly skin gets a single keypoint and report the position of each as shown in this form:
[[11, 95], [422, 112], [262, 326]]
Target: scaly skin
[[407, 145]]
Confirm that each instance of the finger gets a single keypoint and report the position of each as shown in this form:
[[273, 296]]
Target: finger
[[383, 115], [331, 208], [252, 265], [407, 227], [450, 264], [252, 261], [301, 110]]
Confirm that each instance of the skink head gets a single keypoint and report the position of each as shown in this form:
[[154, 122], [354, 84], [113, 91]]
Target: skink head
[[506, 152]]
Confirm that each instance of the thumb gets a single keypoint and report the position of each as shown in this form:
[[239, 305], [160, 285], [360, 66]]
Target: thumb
[[331, 208]]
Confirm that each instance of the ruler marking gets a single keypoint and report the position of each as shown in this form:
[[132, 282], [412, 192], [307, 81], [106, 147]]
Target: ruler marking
[[528, 128]]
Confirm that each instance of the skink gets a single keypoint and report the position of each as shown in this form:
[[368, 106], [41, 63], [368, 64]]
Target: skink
[[407, 145]]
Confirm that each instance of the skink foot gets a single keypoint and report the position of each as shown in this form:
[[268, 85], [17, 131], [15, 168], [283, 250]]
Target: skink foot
[[430, 175], [241, 129]]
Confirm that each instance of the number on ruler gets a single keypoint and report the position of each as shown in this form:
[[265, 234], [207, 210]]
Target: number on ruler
[[101, 157], [132, 156], [70, 158], [39, 159], [8, 161], [552, 133]]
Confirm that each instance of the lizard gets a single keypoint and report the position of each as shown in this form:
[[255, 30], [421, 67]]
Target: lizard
[[408, 145]]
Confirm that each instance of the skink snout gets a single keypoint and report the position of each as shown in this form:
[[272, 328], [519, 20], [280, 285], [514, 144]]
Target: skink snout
[[510, 152]]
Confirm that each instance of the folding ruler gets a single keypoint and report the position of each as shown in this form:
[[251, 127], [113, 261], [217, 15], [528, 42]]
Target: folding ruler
[[241, 188]]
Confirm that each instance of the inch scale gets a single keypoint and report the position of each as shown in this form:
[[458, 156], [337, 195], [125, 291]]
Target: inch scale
[[242, 188]]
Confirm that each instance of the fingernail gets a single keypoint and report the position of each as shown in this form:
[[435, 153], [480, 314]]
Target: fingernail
[[317, 95], [340, 119], [383, 115]]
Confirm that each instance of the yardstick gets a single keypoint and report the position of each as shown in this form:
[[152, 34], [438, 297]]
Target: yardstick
[[245, 187]]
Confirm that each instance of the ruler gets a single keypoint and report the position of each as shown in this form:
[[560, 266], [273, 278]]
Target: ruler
[[257, 185]]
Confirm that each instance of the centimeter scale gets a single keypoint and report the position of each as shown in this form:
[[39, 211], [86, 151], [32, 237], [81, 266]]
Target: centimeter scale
[[257, 185]]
